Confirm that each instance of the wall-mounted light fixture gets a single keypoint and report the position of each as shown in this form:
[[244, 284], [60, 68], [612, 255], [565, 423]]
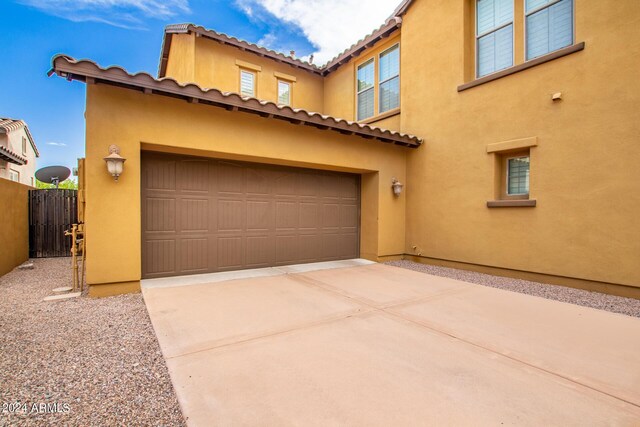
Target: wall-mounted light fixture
[[115, 162], [396, 186]]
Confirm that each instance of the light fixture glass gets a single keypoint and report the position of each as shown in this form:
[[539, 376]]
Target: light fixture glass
[[115, 162], [396, 186]]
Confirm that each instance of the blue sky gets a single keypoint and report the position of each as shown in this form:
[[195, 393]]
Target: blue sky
[[129, 33]]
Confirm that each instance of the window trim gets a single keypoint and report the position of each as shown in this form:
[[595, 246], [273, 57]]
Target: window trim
[[288, 83], [479, 36], [380, 82], [375, 59], [507, 171], [255, 82], [524, 28]]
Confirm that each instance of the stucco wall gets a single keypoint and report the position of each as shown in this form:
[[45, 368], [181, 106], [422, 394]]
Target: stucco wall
[[136, 121], [584, 172], [213, 65], [13, 141], [14, 225]]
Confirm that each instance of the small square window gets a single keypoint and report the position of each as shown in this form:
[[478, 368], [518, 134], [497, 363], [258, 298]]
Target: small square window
[[518, 176], [14, 175], [247, 83]]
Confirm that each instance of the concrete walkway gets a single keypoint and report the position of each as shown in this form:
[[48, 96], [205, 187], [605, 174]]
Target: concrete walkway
[[355, 343]]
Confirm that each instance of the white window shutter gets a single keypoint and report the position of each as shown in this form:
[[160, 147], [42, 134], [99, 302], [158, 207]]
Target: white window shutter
[[550, 29]]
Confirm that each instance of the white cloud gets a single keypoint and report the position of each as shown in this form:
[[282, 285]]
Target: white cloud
[[120, 13], [57, 144], [330, 25]]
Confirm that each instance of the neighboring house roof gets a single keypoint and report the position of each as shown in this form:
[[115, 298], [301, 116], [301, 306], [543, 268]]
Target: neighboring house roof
[[10, 125], [89, 71], [11, 157], [390, 26]]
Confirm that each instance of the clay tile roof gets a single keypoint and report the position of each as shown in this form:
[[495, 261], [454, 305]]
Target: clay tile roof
[[10, 125], [89, 71], [390, 26], [11, 157]]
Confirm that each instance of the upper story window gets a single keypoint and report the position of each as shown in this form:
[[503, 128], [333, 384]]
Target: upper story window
[[389, 76], [378, 84], [549, 26], [366, 92], [24, 146], [494, 35], [284, 92], [14, 175], [247, 83]]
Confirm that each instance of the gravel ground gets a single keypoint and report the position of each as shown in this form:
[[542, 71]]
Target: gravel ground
[[614, 304], [98, 359]]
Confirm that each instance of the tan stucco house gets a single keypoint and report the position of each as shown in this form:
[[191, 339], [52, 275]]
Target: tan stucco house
[[18, 152], [513, 126]]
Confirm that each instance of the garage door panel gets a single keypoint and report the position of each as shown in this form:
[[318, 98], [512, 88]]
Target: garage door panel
[[193, 176], [194, 215], [231, 215], [309, 215], [286, 185], [231, 178], [260, 215], [330, 245], [330, 216], [309, 247], [160, 215], [205, 215], [259, 183], [194, 255], [349, 244], [287, 216], [286, 249], [260, 251], [349, 217], [159, 175], [159, 257], [230, 253]]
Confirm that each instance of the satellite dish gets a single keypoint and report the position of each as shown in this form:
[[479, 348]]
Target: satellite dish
[[53, 174]]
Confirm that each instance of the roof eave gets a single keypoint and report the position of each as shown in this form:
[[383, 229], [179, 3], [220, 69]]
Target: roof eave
[[88, 71], [11, 157]]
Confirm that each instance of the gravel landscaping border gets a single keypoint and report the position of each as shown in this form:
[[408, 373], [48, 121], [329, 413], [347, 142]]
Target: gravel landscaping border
[[79, 362], [612, 303]]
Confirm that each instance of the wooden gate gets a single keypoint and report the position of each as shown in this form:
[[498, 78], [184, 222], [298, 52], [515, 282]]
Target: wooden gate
[[51, 213]]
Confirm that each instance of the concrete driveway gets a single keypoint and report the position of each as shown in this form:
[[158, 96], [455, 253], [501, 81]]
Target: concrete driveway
[[356, 343]]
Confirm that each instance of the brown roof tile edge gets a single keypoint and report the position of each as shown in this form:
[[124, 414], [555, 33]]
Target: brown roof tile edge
[[9, 125], [12, 157], [89, 71], [356, 49]]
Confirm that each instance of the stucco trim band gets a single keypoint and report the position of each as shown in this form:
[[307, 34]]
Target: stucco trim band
[[514, 144], [524, 66], [90, 72], [248, 65]]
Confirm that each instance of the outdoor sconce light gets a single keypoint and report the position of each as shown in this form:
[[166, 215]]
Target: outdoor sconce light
[[115, 162], [397, 186]]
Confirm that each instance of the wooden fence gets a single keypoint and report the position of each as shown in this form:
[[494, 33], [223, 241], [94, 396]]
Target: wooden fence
[[51, 213]]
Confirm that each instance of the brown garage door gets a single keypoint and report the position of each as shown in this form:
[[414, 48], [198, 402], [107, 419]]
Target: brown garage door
[[203, 215]]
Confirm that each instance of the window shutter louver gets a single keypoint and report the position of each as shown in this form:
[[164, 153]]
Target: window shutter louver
[[549, 29]]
